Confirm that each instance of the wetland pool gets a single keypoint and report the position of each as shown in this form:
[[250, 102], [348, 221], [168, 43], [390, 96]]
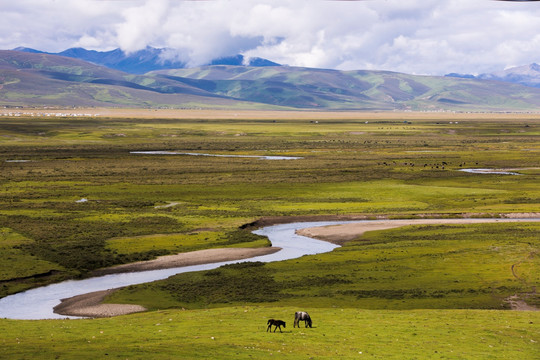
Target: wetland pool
[[490, 171], [260, 157]]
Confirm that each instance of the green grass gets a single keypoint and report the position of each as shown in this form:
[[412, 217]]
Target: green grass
[[15, 261], [349, 167], [415, 267], [20, 269], [394, 294], [185, 242], [240, 333]]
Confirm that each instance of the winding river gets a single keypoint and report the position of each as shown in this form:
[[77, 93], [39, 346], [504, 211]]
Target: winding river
[[38, 303]]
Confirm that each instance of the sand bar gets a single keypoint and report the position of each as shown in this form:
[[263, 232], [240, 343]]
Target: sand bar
[[207, 256], [339, 234]]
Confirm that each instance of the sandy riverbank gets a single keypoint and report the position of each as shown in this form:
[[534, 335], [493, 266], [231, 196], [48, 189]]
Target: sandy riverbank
[[90, 305]]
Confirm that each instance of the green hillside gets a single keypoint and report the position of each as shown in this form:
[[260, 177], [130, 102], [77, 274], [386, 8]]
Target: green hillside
[[367, 90]]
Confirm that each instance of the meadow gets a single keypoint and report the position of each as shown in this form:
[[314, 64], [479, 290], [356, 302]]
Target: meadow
[[240, 333], [74, 198]]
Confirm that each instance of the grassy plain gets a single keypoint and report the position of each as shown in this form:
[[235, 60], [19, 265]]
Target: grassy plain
[[240, 333], [74, 198], [417, 267]]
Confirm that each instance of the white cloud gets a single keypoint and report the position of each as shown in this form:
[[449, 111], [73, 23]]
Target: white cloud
[[415, 36], [142, 25]]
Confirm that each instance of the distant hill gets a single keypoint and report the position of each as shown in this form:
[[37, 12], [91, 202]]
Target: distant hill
[[367, 90], [143, 61], [40, 79], [462, 76], [240, 60], [528, 75], [139, 62]]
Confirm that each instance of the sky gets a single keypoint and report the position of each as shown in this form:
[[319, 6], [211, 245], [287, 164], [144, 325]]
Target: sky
[[431, 37]]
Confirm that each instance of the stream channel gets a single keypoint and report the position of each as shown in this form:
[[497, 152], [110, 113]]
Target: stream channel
[[38, 303]]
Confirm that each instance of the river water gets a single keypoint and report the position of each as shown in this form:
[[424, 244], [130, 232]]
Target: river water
[[38, 303]]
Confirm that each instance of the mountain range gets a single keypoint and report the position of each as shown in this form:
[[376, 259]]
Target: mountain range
[[143, 61], [34, 78]]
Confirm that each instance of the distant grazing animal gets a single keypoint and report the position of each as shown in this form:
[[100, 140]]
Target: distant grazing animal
[[302, 316], [276, 323]]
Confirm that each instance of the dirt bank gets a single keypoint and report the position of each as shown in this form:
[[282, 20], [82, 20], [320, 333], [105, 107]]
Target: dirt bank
[[517, 304]]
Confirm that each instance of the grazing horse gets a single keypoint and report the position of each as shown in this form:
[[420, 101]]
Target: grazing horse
[[276, 323], [302, 316]]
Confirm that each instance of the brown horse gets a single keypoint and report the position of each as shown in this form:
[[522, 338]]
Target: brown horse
[[276, 323]]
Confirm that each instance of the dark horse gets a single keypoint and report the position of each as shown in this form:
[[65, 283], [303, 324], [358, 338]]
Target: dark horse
[[276, 323], [302, 316]]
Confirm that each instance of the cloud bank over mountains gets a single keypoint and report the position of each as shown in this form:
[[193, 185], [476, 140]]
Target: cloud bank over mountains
[[415, 36]]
